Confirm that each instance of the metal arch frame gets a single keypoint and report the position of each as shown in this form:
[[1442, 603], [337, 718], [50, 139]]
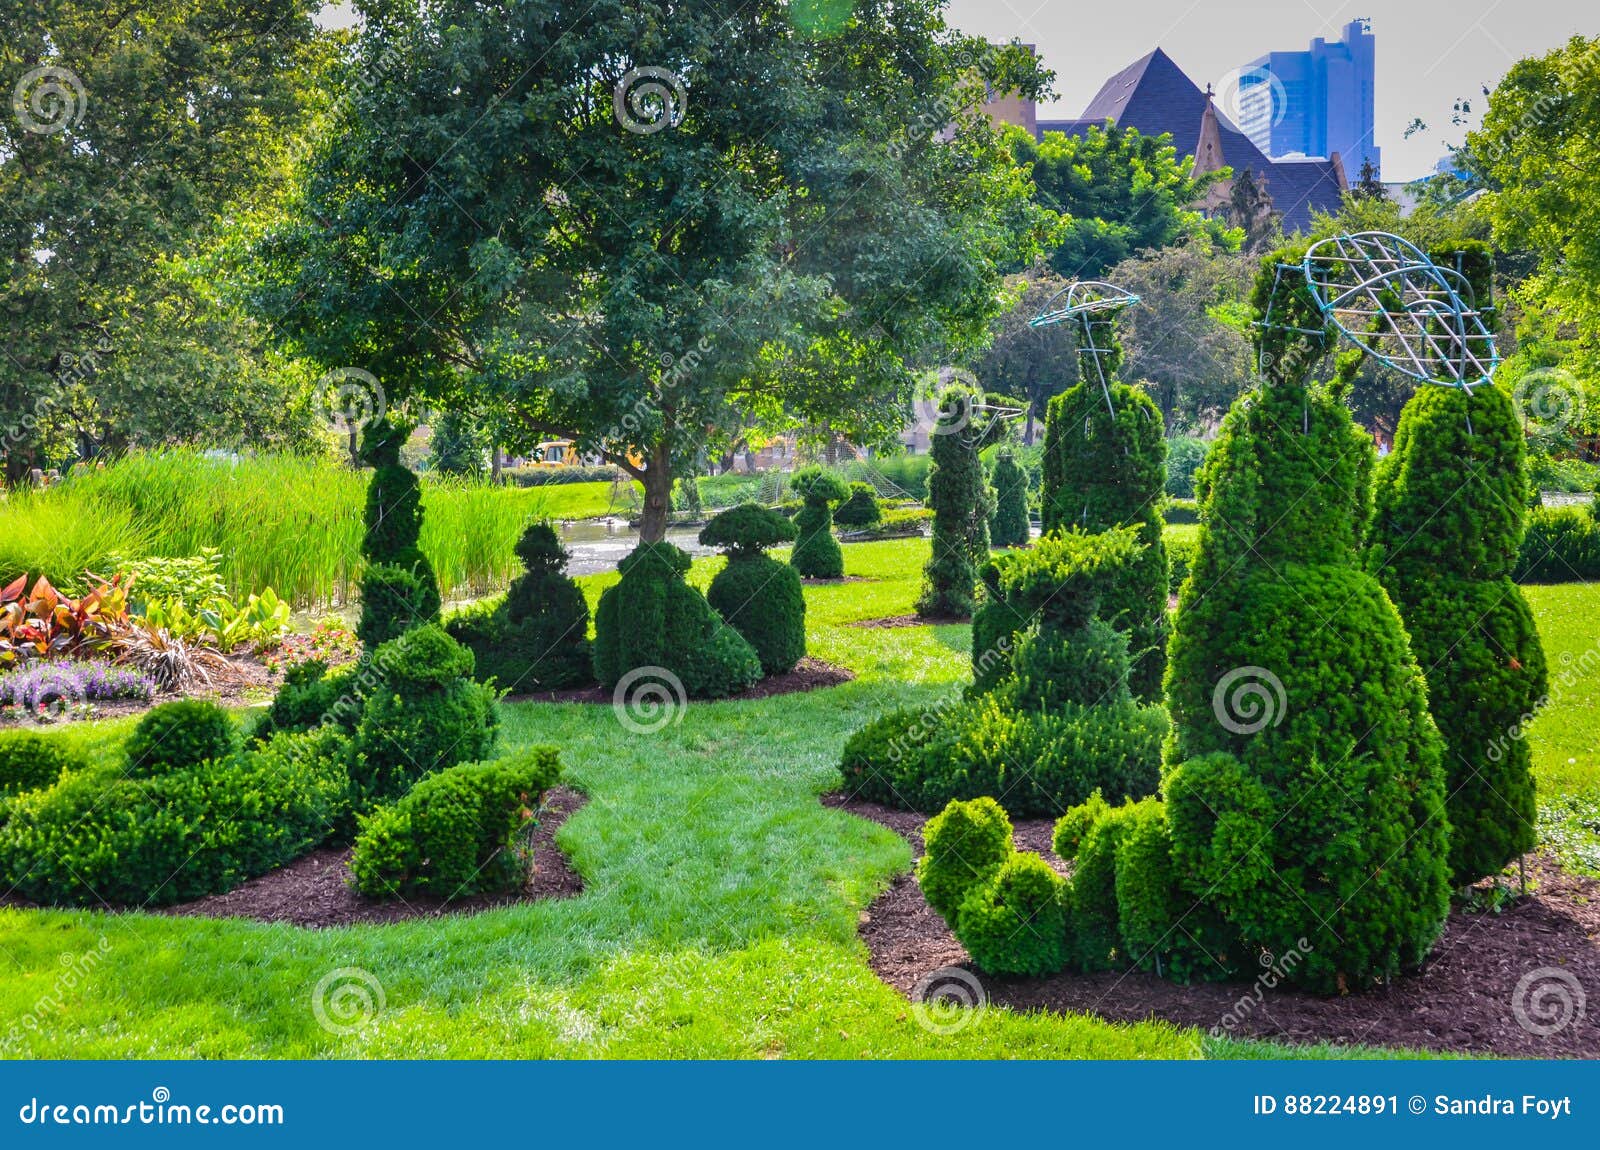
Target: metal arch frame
[[1449, 336], [1086, 299]]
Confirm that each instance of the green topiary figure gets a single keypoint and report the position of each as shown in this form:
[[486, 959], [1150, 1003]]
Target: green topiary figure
[[1447, 526], [963, 847], [30, 761], [1104, 470], [960, 498], [817, 554], [652, 620], [1015, 923], [398, 588], [537, 639], [424, 714], [179, 735], [1009, 526], [861, 510], [1289, 658], [756, 595]]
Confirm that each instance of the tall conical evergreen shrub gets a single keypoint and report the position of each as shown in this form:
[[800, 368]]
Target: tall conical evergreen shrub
[[959, 496], [816, 553], [1448, 522], [398, 588], [1105, 469], [1008, 527]]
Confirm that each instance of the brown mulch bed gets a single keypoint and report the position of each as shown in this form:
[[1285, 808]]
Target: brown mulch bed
[[893, 622], [1460, 1001], [839, 580], [808, 675], [312, 891]]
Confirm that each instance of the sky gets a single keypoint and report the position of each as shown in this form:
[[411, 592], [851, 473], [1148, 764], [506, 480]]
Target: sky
[[1429, 52]]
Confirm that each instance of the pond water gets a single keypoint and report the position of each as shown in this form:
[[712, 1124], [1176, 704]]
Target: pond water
[[597, 544]]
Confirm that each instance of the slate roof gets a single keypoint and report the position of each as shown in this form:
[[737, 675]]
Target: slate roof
[[1153, 95]]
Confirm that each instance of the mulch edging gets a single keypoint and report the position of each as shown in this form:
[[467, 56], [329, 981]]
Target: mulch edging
[[1462, 999], [312, 891], [894, 622], [808, 675]]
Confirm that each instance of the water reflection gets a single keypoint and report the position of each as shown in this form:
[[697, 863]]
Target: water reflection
[[598, 544]]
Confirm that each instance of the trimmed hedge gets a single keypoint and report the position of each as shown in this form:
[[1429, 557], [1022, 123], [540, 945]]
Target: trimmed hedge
[[1562, 544], [1010, 525], [861, 510], [30, 761], [756, 595], [537, 637], [1447, 526], [459, 832], [652, 618], [96, 837]]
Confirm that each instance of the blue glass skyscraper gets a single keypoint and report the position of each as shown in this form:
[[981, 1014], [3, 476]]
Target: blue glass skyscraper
[[1315, 103]]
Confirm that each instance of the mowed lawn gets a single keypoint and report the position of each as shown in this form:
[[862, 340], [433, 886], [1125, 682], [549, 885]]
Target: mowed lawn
[[719, 914]]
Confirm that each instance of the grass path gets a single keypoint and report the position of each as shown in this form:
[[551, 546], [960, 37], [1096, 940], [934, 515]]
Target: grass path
[[718, 921]]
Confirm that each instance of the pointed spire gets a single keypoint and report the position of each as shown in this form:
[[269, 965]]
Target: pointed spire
[[1208, 148]]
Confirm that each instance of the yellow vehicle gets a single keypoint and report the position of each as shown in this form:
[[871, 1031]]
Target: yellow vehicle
[[555, 453]]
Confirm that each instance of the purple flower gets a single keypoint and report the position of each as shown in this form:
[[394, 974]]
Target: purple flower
[[46, 684]]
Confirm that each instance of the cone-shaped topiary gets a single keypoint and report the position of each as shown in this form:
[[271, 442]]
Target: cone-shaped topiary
[[398, 588], [537, 638], [425, 714], [959, 495], [1104, 470], [1008, 527], [817, 554], [756, 595], [861, 509], [652, 618], [1447, 525]]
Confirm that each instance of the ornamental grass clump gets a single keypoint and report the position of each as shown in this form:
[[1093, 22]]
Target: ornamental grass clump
[[756, 595]]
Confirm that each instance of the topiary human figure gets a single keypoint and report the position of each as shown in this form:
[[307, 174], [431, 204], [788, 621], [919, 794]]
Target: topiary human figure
[[861, 510], [1009, 525], [1104, 470], [756, 595], [537, 638], [424, 715], [1294, 695], [398, 588], [817, 554], [960, 499], [1447, 525], [652, 619]]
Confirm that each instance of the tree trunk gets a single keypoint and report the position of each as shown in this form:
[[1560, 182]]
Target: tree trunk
[[657, 496], [496, 461]]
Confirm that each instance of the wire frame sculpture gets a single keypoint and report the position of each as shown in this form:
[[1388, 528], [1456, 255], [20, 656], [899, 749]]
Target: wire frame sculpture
[[1384, 294], [1093, 305]]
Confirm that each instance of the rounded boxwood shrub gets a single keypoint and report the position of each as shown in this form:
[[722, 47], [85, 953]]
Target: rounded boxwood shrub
[[1009, 526], [963, 845], [756, 595], [1103, 471], [180, 734], [30, 761], [537, 638], [817, 554], [1015, 922], [861, 510], [461, 831], [96, 837], [1447, 526], [423, 714], [652, 618]]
